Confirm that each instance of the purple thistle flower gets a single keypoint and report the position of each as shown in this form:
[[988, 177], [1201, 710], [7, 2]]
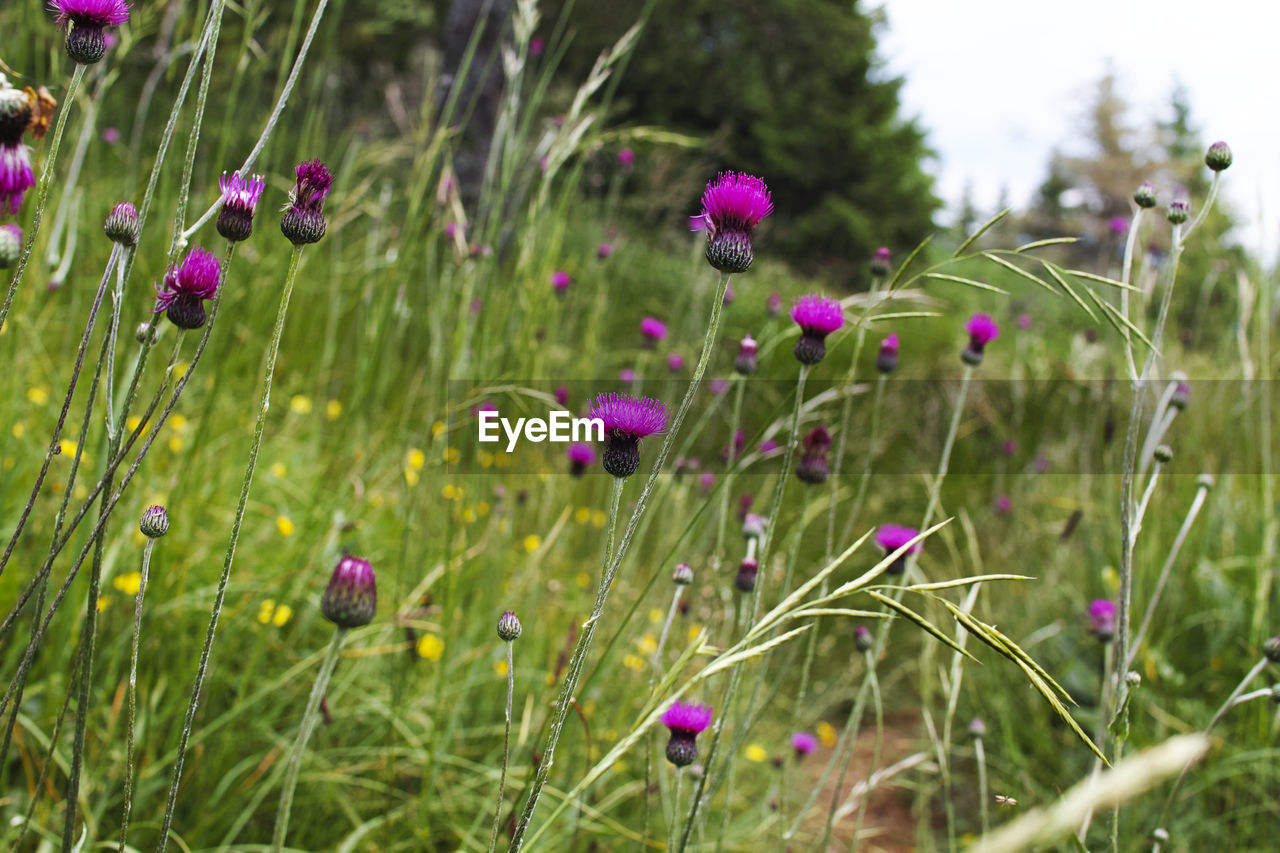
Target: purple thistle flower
[[773, 305], [1009, 447], [803, 744], [239, 200], [734, 450], [1118, 225], [626, 158], [732, 206], [745, 580], [745, 363], [812, 467], [862, 640], [604, 251], [627, 376], [10, 245], [303, 221], [685, 721], [537, 44], [891, 537], [1102, 619], [16, 175], [982, 331], [880, 262], [675, 362], [110, 135], [1024, 321], [1004, 504], [653, 330], [85, 21], [560, 281], [351, 598], [627, 420], [705, 481], [887, 358], [186, 287], [817, 316], [562, 395], [768, 446], [580, 457]]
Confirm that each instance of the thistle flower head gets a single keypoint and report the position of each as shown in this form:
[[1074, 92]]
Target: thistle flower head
[[977, 728], [1271, 649], [753, 526], [887, 358], [683, 575], [812, 467], [1102, 619], [580, 457], [560, 282], [626, 158], [10, 245], [745, 363], [773, 305], [732, 206], [803, 744], [1218, 157], [509, 629], [15, 113], [862, 639], [604, 250], [185, 288], [154, 522], [239, 200], [303, 221], [982, 331], [817, 316], [685, 721], [122, 225], [745, 580], [562, 395], [627, 420], [84, 21], [675, 362], [1004, 504], [653, 330], [1145, 195], [1179, 211], [16, 175], [351, 598], [891, 537], [881, 262]]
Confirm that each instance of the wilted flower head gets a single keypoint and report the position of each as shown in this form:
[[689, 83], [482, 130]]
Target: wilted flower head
[[982, 331], [10, 245], [16, 175], [1102, 619], [186, 287], [627, 420], [303, 221], [812, 467], [239, 200], [685, 721], [745, 362], [652, 330], [891, 537], [85, 21], [351, 598], [817, 316], [560, 282], [732, 206], [580, 457], [803, 744], [880, 262], [887, 358]]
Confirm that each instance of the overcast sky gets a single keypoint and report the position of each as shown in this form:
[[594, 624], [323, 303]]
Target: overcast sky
[[998, 84]]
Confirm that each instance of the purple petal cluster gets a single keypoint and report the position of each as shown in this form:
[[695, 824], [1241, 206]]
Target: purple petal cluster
[[16, 175], [631, 417], [818, 315], [241, 193], [891, 537], [804, 743], [687, 718], [653, 329], [733, 201], [581, 454], [1102, 618], [313, 186], [982, 330], [90, 13], [196, 278]]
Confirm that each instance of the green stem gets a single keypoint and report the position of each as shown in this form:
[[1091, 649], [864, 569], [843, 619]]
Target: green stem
[[133, 693], [506, 746], [245, 486], [309, 719], [726, 488]]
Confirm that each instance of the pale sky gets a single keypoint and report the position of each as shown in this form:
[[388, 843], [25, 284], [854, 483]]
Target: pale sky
[[999, 83]]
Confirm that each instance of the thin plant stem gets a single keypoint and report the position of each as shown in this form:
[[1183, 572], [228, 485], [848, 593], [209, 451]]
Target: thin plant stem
[[637, 513], [42, 190], [980, 755], [310, 717], [133, 692], [877, 409], [870, 686], [740, 384], [1130, 240], [506, 746], [246, 485]]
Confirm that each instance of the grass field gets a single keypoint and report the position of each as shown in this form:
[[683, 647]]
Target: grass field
[[422, 305]]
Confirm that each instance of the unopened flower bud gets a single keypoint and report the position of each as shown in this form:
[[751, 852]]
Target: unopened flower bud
[[862, 640], [509, 627], [977, 728], [745, 363], [1145, 195], [747, 571], [1164, 454], [10, 245], [155, 522], [1204, 481], [1218, 157], [122, 224], [683, 575], [351, 598], [1271, 649], [1179, 211]]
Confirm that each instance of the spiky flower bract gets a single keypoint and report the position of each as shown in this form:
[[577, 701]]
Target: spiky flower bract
[[732, 206], [509, 628], [627, 420], [817, 316], [580, 457], [891, 537], [982, 331], [887, 358], [685, 721], [85, 22], [186, 287], [812, 467], [16, 175], [1102, 619], [1218, 157], [239, 200], [154, 522], [351, 598], [122, 225], [1145, 195], [303, 221]]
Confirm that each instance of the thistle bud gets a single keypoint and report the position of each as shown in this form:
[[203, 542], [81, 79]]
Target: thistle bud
[[683, 575], [1204, 481], [1181, 394], [145, 332], [862, 640], [1179, 211], [1145, 196], [1218, 157], [887, 358], [122, 224], [753, 526], [1271, 649], [1164, 454], [154, 523], [977, 728], [745, 363], [351, 598], [509, 627], [10, 245], [880, 262], [747, 571]]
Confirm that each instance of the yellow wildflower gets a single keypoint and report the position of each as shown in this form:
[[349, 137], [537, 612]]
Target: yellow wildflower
[[532, 542], [128, 583], [757, 753], [38, 394], [826, 734], [300, 405], [332, 410], [282, 615], [278, 470], [430, 647], [415, 459], [284, 525]]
